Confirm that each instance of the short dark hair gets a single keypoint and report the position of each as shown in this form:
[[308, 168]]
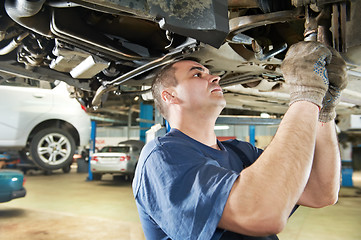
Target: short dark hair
[[164, 78]]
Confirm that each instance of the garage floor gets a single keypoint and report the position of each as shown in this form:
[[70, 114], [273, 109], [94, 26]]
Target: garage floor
[[67, 207]]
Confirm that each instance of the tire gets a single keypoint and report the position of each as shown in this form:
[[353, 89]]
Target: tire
[[131, 177], [118, 178], [66, 169], [97, 176], [52, 148]]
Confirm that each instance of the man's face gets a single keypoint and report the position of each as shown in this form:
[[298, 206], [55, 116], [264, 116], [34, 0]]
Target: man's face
[[197, 89]]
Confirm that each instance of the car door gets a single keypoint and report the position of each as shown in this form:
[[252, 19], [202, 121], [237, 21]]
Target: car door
[[19, 106]]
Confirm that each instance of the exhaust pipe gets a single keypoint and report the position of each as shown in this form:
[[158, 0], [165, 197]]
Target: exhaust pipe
[[23, 8], [13, 44]]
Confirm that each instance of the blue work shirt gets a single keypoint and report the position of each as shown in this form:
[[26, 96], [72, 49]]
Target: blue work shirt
[[181, 186]]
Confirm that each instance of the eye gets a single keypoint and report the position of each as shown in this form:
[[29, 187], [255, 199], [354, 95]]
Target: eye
[[197, 75]]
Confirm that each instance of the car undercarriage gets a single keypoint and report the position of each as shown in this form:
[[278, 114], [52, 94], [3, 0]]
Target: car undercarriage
[[108, 48]]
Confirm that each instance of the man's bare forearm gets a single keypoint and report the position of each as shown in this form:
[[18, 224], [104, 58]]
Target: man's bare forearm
[[270, 188], [287, 161], [324, 182]]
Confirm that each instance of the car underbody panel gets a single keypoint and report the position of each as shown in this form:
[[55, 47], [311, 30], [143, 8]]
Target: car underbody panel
[[108, 48]]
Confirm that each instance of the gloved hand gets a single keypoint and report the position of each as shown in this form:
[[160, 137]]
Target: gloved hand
[[305, 73], [338, 81]]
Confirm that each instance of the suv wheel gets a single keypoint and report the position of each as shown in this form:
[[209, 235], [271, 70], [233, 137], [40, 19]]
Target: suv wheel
[[52, 148], [66, 169]]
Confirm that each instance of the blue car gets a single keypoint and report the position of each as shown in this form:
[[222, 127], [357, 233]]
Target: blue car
[[11, 185]]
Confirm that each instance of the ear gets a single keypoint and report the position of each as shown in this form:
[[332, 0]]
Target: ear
[[169, 96]]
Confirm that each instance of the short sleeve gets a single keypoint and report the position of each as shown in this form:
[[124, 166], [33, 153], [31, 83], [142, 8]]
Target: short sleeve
[[250, 151], [184, 192]]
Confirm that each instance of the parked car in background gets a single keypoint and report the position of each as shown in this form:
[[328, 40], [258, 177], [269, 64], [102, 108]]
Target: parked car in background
[[116, 160], [8, 159], [11, 185], [40, 119]]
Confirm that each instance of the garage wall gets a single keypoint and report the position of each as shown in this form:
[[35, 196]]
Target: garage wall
[[264, 134], [113, 135]]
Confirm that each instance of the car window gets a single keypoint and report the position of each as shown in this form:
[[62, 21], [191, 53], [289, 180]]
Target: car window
[[122, 149], [10, 80]]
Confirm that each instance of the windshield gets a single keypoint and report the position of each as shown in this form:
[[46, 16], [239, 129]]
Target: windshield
[[121, 149]]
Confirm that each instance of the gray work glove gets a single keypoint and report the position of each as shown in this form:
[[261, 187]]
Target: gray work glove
[[305, 73], [338, 81]]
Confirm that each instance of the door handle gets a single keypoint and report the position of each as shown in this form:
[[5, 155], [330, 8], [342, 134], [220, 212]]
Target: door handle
[[38, 95]]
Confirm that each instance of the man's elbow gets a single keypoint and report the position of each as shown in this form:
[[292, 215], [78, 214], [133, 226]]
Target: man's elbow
[[275, 227], [325, 201], [331, 200], [266, 226]]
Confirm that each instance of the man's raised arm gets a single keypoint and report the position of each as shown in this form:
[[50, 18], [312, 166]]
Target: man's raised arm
[[265, 193]]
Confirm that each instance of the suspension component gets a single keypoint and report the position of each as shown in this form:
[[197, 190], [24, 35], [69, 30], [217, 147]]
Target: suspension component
[[300, 3], [327, 26]]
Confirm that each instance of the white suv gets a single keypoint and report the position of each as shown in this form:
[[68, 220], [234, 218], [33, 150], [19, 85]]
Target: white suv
[[45, 122]]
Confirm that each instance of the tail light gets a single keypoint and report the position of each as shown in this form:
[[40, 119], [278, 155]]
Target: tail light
[[84, 108], [24, 180], [124, 158], [94, 158]]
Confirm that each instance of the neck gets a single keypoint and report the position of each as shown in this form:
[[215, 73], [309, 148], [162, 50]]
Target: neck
[[197, 127]]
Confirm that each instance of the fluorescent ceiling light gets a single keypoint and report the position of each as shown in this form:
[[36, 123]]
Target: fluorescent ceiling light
[[265, 115], [221, 127]]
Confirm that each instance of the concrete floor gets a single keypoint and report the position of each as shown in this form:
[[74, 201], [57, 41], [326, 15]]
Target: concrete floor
[[67, 207]]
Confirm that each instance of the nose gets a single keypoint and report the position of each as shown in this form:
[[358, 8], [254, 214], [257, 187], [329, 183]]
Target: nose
[[214, 78]]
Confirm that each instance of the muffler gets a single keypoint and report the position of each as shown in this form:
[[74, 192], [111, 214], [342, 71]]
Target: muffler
[[23, 8]]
